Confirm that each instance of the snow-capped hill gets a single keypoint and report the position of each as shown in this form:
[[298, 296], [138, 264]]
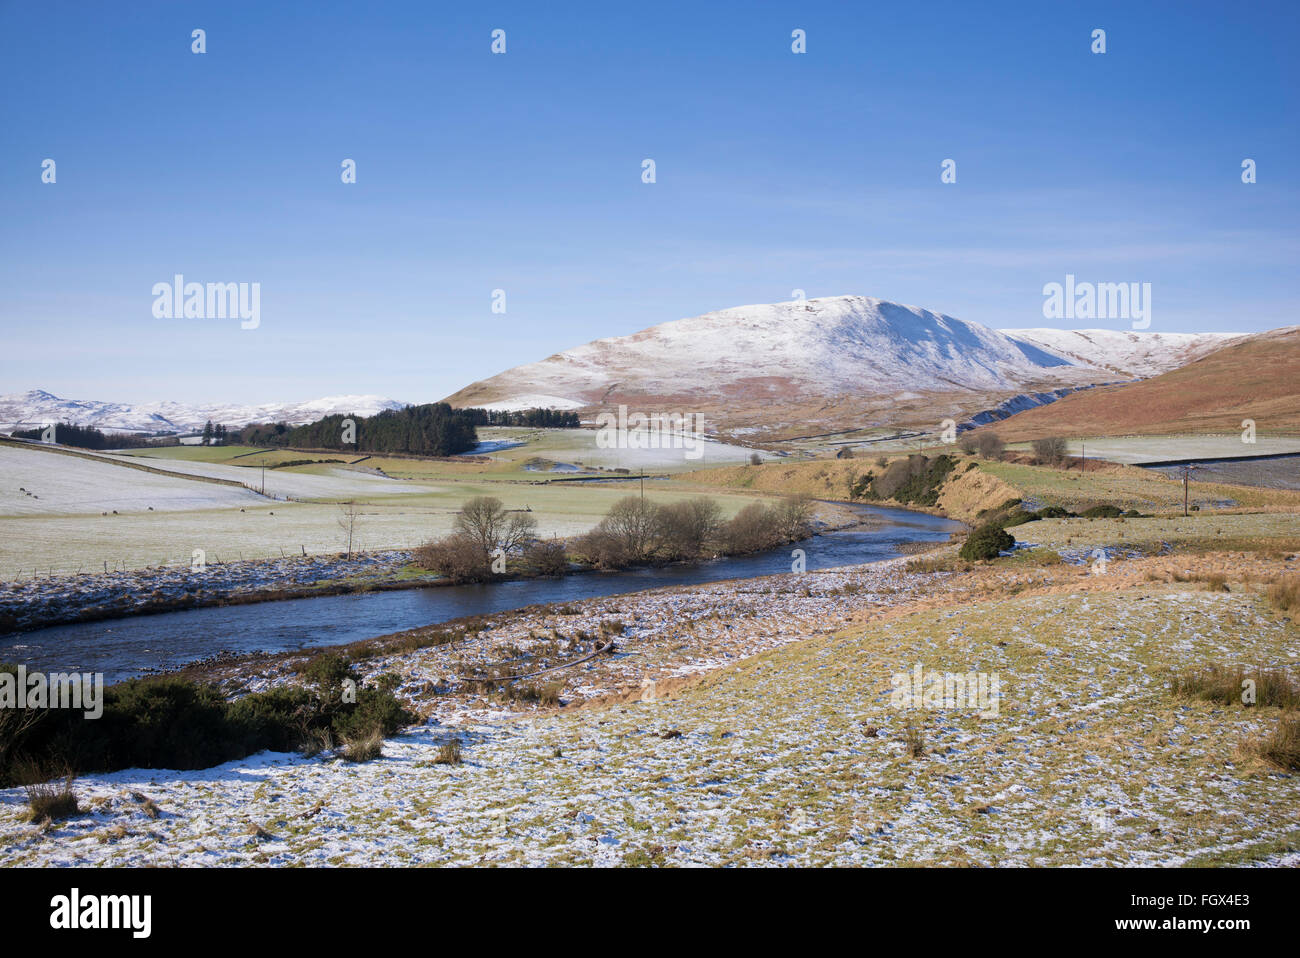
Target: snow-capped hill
[[1128, 352], [37, 407], [828, 346], [813, 366]]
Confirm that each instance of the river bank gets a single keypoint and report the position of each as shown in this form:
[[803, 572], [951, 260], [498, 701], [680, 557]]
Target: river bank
[[38, 603]]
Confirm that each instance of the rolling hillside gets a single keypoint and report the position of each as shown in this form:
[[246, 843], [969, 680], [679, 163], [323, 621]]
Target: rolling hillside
[[821, 365], [1257, 377]]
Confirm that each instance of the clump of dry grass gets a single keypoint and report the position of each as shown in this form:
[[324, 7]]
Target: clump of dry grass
[[914, 741], [51, 801], [1216, 582], [1284, 594], [948, 563], [1230, 685], [542, 693], [449, 753], [364, 747], [113, 833], [1282, 748], [147, 805], [49, 796], [315, 741]]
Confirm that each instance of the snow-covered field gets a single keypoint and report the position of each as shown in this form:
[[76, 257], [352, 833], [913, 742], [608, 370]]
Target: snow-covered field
[[1140, 449], [65, 529], [792, 756], [331, 483], [36, 482]]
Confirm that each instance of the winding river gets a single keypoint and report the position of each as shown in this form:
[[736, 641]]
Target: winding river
[[124, 648]]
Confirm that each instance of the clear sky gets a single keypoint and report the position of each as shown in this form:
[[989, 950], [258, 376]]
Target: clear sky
[[522, 172]]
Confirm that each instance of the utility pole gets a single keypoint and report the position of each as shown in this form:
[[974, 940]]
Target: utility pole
[[643, 482], [1083, 456], [1187, 481], [263, 477]]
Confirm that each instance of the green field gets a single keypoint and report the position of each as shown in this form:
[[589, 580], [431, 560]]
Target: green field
[[1130, 487], [91, 512]]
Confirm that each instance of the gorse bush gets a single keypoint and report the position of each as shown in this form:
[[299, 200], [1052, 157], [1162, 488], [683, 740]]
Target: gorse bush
[[916, 480], [178, 724], [986, 542], [1054, 512]]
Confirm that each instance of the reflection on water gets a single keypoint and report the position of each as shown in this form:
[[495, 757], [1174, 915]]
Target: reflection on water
[[123, 648]]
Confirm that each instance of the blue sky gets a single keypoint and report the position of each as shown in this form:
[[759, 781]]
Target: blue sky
[[522, 172]]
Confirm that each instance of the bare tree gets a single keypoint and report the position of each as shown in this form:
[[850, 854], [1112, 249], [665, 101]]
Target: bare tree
[[990, 445], [1050, 449], [634, 523], [487, 523], [685, 529], [348, 516], [794, 516]]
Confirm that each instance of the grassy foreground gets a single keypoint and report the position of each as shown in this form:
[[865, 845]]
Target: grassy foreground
[[798, 755]]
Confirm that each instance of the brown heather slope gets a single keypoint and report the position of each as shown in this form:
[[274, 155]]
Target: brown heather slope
[[1257, 379]]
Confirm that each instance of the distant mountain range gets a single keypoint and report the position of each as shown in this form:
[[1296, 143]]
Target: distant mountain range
[[832, 363], [764, 372], [39, 408]]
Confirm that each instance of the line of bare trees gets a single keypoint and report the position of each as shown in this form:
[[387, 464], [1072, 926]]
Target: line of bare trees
[[1049, 450], [487, 539]]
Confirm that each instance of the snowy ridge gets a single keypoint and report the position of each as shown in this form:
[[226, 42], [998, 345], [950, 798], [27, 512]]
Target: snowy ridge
[[1138, 354], [820, 346], [39, 408], [842, 345]]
